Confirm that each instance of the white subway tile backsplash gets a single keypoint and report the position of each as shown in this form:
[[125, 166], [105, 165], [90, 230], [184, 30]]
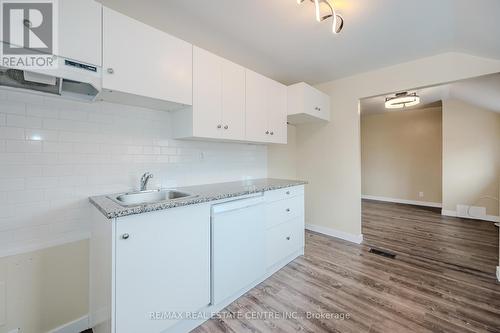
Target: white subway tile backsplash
[[14, 120], [57, 147], [23, 146], [11, 184], [10, 107], [12, 133], [73, 115], [41, 182], [41, 135], [15, 197], [55, 153], [43, 111]]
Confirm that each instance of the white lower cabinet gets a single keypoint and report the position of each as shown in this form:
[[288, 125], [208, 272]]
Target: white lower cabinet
[[283, 240], [149, 271]]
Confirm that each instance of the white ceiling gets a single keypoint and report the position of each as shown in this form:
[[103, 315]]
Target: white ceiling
[[482, 91], [282, 40]]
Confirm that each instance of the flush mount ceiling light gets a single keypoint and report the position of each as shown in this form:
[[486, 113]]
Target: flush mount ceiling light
[[338, 20], [402, 100]]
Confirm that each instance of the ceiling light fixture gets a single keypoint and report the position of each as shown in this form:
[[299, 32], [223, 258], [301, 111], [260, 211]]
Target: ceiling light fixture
[[338, 20], [402, 100]]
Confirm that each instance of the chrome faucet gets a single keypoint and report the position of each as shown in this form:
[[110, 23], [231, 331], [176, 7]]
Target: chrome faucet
[[144, 180]]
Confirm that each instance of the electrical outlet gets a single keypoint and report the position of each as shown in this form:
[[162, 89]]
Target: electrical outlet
[[420, 194]]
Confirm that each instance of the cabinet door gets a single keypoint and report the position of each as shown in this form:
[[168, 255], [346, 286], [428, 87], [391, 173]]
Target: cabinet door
[[207, 94], [316, 103], [80, 30], [277, 112], [233, 101], [256, 125], [144, 61], [162, 266]]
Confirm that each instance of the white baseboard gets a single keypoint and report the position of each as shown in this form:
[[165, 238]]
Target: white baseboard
[[76, 326], [358, 239], [403, 201], [453, 213]]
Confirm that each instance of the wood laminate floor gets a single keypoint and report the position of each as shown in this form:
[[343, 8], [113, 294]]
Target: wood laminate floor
[[442, 280]]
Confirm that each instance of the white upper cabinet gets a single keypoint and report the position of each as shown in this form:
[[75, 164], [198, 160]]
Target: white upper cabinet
[[80, 31], [143, 65], [307, 104], [218, 110], [266, 103]]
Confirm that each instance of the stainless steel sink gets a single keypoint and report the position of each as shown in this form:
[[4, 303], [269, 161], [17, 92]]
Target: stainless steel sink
[[153, 196]]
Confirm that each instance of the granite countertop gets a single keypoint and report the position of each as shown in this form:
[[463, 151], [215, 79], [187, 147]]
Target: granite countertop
[[204, 193]]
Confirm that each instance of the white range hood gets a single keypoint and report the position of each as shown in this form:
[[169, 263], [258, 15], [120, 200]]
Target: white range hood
[[70, 79]]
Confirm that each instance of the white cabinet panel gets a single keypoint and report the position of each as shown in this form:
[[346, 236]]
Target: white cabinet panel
[[284, 193], [233, 101], [143, 61], [277, 113], [265, 109], [283, 240], [278, 212], [307, 104], [256, 123], [218, 110], [207, 94], [163, 265], [80, 30]]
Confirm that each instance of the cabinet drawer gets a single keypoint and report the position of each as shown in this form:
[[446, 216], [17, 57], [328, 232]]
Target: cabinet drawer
[[280, 211], [283, 240], [284, 193]]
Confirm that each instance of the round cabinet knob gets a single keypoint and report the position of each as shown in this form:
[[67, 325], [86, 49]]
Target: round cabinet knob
[[288, 238], [288, 210], [110, 71], [226, 127], [319, 109], [125, 236], [219, 126], [267, 132], [287, 192], [272, 133], [27, 23]]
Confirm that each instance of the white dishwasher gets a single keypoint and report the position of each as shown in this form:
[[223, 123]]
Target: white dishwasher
[[238, 245]]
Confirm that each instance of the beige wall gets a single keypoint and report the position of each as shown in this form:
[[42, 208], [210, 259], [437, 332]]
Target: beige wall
[[401, 154], [471, 156], [282, 159], [44, 289], [329, 154]]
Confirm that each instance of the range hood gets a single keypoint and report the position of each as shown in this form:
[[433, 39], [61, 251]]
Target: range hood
[[71, 79]]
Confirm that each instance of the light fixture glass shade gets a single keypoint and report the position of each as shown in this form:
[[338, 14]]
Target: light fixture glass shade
[[402, 100]]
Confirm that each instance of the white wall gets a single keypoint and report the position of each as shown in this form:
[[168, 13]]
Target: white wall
[[471, 156], [330, 153], [401, 155], [54, 154], [45, 289]]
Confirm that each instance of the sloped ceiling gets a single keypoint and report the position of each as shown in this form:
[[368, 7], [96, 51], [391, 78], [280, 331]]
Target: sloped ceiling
[[482, 91], [281, 39]]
